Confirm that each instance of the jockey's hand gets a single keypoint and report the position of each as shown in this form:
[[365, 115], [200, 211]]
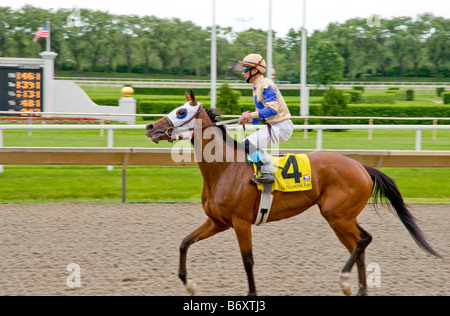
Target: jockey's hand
[[245, 117]]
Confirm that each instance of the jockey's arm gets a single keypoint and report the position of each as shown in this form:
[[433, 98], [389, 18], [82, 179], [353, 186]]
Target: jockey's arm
[[270, 108]]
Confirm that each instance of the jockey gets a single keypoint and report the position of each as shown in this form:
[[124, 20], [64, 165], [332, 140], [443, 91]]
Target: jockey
[[271, 109]]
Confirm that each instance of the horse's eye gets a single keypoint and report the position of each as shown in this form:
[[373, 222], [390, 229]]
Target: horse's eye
[[181, 113]]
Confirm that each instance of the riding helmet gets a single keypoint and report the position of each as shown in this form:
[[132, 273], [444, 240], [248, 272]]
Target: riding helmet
[[256, 61]]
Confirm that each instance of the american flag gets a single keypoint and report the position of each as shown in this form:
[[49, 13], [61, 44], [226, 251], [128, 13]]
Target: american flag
[[41, 33]]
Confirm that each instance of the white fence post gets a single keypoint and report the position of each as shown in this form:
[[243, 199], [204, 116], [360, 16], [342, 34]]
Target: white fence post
[[319, 139], [434, 131], [418, 139], [305, 131], [1, 145], [370, 130], [110, 144]]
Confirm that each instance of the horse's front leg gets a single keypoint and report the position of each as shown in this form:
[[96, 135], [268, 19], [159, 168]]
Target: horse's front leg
[[205, 230], [243, 231]]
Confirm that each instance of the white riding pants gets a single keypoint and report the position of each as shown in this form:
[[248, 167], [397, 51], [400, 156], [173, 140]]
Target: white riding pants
[[280, 132]]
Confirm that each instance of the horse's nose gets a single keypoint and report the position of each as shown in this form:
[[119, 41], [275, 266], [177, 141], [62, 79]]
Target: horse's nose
[[149, 127]]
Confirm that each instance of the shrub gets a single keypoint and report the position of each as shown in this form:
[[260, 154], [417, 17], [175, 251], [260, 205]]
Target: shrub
[[439, 91], [333, 104], [409, 96], [359, 88], [227, 100], [446, 97], [355, 96]]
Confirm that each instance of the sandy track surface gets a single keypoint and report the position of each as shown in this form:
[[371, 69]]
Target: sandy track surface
[[133, 249]]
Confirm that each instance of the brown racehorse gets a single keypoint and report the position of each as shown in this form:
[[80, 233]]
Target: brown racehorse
[[341, 189]]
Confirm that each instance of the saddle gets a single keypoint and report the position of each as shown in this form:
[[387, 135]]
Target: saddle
[[292, 172]]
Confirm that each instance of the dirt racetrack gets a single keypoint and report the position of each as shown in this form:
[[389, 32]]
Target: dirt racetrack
[[133, 249]]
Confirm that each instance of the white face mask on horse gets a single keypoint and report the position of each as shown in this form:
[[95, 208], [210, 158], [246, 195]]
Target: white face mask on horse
[[181, 121]]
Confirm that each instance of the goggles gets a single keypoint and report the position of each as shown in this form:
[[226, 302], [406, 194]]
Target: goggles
[[247, 68]]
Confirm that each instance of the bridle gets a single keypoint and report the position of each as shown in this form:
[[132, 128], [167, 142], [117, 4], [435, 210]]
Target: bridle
[[176, 129], [180, 129]]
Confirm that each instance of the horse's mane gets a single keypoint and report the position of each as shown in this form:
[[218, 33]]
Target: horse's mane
[[213, 114]]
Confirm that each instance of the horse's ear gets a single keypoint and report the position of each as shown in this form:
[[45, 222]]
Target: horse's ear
[[188, 97], [194, 101]]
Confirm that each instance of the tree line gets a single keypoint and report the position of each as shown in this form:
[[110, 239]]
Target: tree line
[[105, 42]]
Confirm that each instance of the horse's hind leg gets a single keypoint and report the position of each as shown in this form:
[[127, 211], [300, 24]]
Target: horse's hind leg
[[355, 239], [357, 256], [207, 229]]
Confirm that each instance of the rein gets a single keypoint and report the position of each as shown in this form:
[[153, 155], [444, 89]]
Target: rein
[[179, 129]]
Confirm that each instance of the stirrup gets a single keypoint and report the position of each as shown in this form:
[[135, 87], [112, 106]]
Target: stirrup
[[266, 178]]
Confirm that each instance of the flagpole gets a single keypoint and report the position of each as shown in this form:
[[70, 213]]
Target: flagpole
[[213, 70], [304, 94], [48, 37]]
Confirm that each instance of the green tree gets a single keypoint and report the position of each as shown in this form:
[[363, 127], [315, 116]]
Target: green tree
[[95, 25], [399, 41], [227, 100], [326, 65], [5, 29], [286, 57], [165, 32], [227, 55], [399, 46], [75, 45], [187, 41], [145, 40], [251, 41], [348, 39], [333, 104], [438, 44]]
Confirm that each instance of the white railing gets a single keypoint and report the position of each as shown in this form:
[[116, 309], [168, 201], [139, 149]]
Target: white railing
[[124, 157], [362, 83], [319, 138], [318, 128], [393, 83], [144, 79], [240, 84]]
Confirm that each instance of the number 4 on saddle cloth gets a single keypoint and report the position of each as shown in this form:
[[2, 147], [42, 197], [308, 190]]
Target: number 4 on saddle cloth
[[291, 172]]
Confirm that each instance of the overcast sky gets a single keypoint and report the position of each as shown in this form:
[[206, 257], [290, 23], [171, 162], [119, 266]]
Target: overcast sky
[[243, 14]]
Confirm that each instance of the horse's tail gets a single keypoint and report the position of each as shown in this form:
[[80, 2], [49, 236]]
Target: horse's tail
[[385, 187]]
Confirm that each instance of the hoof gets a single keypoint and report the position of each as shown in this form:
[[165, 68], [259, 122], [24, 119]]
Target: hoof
[[362, 292], [190, 287], [345, 284]]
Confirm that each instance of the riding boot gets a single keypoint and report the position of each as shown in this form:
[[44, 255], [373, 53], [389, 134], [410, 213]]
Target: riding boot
[[266, 167]]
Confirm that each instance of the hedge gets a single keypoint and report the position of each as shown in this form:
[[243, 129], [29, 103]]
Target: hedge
[[166, 106], [170, 91], [206, 91], [106, 101], [381, 111], [158, 107], [397, 93], [446, 97], [386, 98]]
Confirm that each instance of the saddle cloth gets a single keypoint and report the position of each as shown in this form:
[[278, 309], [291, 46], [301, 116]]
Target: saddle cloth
[[291, 172]]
